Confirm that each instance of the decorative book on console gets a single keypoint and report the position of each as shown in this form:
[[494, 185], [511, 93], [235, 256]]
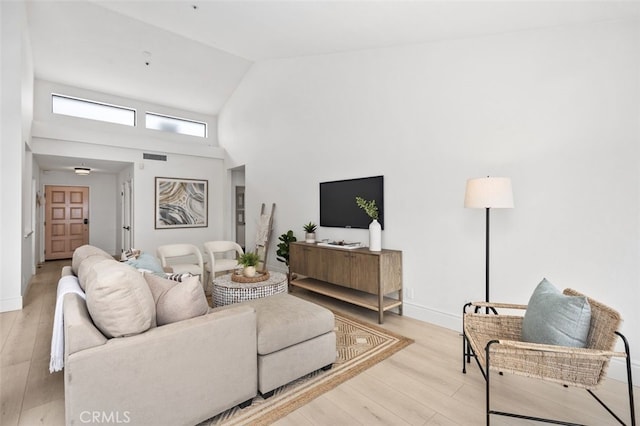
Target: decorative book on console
[[341, 244]]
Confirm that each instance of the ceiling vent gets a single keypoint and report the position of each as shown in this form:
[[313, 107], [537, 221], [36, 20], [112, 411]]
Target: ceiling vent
[[157, 157]]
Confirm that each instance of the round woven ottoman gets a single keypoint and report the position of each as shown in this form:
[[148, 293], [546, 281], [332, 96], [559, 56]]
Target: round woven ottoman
[[226, 291]]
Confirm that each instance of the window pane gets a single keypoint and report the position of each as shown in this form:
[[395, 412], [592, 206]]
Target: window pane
[[92, 110], [176, 125]]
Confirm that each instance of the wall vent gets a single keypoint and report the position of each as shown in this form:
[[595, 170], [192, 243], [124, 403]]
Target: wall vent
[[157, 157]]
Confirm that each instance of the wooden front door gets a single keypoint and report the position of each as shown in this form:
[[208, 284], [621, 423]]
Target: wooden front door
[[66, 220]]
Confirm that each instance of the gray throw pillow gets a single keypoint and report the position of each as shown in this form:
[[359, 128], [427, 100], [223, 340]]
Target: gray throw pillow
[[555, 319], [147, 262]]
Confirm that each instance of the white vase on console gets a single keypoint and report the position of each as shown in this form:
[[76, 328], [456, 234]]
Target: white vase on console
[[375, 236]]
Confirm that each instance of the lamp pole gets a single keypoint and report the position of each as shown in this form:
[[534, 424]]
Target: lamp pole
[[486, 276], [486, 259], [488, 193]]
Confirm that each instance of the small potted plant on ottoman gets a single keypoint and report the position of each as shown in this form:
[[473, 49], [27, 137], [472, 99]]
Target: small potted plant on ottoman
[[310, 232], [249, 261]]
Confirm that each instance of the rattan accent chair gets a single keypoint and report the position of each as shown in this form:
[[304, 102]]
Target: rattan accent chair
[[494, 341]]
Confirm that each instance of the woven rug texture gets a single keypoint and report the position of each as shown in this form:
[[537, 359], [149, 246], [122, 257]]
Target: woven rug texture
[[359, 346]]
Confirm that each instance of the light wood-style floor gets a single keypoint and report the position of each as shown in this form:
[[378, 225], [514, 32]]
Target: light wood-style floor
[[420, 385]]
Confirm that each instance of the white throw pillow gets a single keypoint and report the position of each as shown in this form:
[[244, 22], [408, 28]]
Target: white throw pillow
[[177, 301], [119, 299]]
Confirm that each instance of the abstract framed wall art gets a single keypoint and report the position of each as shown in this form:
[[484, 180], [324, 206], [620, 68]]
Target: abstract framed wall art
[[181, 203]]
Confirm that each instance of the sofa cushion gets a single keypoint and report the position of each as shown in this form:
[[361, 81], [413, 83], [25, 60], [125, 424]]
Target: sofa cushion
[[177, 301], [83, 252], [555, 319], [284, 320], [119, 299]]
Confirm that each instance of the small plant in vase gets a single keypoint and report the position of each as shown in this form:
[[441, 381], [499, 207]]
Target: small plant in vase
[[249, 261], [310, 232], [375, 230]]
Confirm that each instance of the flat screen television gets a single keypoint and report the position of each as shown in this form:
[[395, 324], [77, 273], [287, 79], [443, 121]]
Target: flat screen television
[[338, 206]]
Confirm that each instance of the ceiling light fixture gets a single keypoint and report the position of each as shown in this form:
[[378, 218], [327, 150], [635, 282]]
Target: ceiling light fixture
[[82, 171]]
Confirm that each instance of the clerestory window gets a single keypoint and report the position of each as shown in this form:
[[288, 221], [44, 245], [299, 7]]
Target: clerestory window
[[92, 110], [170, 124]]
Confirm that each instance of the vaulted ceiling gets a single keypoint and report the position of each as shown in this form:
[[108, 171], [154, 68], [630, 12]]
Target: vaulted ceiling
[[198, 51]]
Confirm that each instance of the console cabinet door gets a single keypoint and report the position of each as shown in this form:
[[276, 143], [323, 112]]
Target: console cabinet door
[[316, 262], [297, 259], [365, 272], [308, 261], [339, 267]]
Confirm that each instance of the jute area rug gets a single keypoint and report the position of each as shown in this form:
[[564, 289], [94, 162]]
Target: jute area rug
[[359, 346]]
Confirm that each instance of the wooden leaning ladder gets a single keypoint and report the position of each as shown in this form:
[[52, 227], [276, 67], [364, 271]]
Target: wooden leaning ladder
[[263, 235]]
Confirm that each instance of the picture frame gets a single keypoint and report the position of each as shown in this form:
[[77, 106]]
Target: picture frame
[[181, 203]]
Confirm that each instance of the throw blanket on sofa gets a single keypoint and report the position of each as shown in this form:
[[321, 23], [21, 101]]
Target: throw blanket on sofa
[[67, 284]]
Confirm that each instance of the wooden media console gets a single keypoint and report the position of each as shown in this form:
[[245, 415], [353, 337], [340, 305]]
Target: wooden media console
[[358, 276]]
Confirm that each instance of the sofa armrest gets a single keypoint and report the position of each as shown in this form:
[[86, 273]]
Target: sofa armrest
[[79, 331], [66, 270], [180, 373]]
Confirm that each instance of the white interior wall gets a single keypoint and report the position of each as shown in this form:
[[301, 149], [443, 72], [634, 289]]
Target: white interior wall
[[555, 109], [103, 204], [145, 235], [55, 135], [97, 132], [212, 170], [28, 195], [16, 97]]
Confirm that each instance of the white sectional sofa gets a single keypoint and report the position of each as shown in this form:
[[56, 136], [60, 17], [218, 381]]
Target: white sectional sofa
[[121, 366]]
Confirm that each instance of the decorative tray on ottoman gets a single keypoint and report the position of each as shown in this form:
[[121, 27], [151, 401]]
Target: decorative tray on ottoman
[[260, 276]]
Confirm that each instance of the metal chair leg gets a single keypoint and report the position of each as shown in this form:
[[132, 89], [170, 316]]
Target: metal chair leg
[[632, 410], [520, 416]]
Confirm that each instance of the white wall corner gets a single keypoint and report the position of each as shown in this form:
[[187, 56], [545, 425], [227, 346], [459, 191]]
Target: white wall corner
[[11, 304]]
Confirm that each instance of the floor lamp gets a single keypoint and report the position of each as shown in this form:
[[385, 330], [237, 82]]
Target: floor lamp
[[488, 193]]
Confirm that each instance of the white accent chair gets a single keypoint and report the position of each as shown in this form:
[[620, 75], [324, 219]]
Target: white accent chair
[[182, 258], [223, 261]]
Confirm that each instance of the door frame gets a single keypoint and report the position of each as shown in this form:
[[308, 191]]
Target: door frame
[[126, 215]]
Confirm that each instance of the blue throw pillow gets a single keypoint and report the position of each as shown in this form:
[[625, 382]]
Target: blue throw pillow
[[555, 319], [147, 262]]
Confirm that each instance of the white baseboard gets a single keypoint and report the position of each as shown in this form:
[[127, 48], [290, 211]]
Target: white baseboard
[[432, 316], [13, 304], [618, 370], [617, 367]]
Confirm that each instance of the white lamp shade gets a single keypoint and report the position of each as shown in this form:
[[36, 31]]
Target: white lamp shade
[[489, 192]]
